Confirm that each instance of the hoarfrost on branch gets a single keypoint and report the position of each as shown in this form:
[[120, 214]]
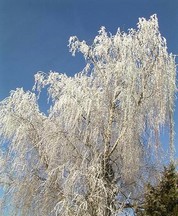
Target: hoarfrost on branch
[[100, 140]]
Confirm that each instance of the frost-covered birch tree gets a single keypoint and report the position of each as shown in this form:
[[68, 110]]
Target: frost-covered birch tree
[[100, 141]]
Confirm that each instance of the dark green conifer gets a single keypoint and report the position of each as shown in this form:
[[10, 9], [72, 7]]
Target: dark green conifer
[[162, 200]]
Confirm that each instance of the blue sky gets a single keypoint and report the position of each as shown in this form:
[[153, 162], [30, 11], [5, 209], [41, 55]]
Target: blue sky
[[34, 34]]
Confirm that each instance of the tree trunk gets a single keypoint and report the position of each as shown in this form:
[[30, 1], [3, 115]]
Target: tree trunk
[[108, 176]]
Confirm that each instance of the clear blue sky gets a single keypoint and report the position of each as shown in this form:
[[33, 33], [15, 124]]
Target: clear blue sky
[[34, 33]]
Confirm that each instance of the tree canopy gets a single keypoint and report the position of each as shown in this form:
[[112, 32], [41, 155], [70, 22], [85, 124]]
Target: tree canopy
[[162, 199], [99, 143]]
